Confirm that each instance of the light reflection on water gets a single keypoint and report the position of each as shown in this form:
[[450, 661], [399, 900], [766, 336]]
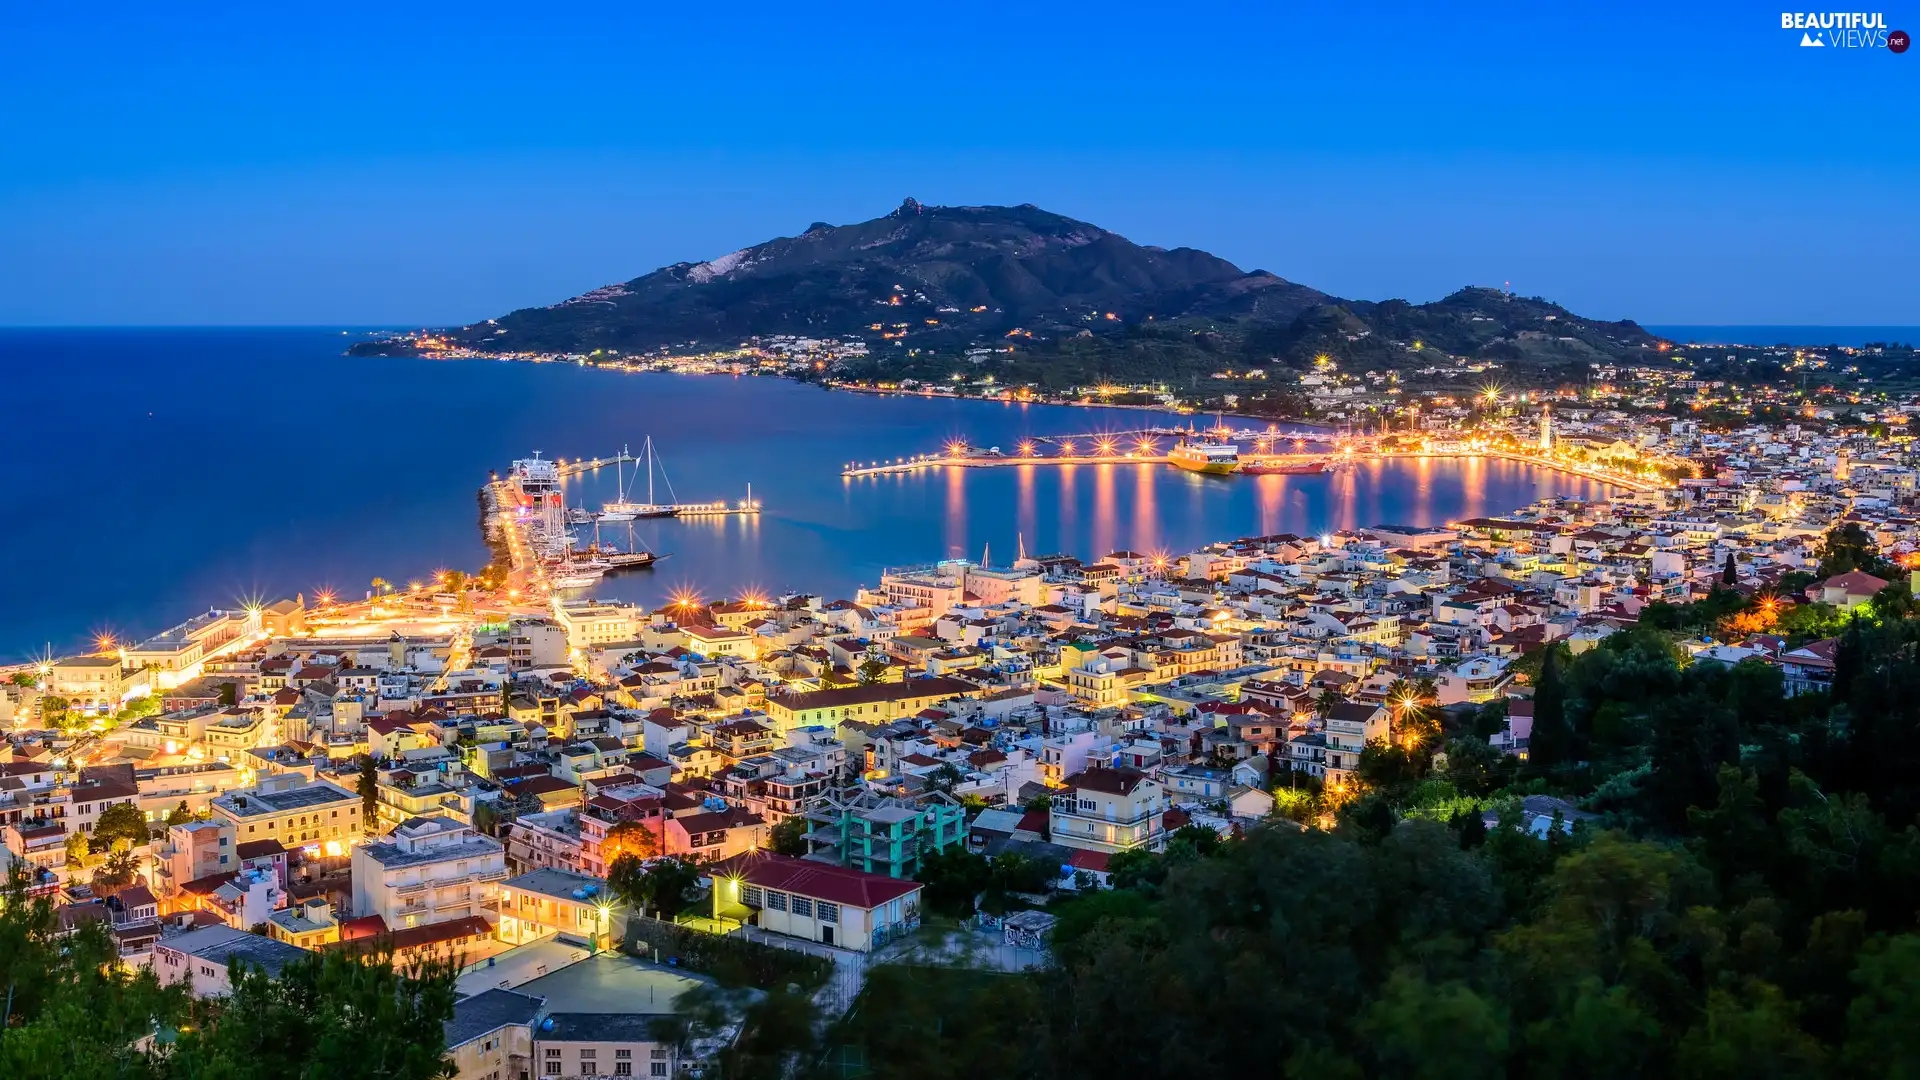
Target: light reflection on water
[[227, 497]]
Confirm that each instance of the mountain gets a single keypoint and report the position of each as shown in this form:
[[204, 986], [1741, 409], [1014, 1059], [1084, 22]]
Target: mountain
[[927, 282]]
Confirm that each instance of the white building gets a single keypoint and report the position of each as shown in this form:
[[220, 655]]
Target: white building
[[199, 958], [815, 901], [430, 870]]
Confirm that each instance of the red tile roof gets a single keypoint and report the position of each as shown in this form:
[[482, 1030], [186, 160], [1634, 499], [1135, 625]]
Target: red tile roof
[[849, 888]]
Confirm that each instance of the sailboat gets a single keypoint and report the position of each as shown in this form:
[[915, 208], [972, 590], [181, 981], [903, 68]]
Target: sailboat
[[622, 510]]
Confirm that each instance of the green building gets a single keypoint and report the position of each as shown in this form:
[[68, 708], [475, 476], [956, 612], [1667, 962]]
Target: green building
[[882, 834]]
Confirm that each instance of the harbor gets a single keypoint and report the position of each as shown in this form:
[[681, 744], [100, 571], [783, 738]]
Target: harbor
[[526, 518]]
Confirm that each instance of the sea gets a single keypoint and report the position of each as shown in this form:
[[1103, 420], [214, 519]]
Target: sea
[[158, 473]]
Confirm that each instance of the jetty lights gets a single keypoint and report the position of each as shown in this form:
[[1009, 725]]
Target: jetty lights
[[1026, 447], [956, 448], [1066, 447], [1146, 446], [1104, 446]]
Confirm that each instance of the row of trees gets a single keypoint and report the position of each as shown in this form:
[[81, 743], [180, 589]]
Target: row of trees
[[73, 1011]]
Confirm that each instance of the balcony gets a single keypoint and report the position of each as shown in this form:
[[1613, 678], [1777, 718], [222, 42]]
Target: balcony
[[1067, 809]]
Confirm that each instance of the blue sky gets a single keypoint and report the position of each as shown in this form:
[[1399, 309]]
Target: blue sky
[[262, 164]]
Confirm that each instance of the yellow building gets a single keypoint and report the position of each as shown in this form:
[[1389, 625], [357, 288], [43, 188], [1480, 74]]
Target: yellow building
[[1109, 810], [307, 925], [90, 682], [547, 901], [298, 813], [876, 704]]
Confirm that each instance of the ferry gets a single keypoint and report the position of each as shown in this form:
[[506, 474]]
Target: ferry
[[1287, 469], [1204, 456], [536, 475]]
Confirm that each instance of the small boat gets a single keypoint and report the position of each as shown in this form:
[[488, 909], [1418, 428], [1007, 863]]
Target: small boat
[[575, 580], [1302, 468]]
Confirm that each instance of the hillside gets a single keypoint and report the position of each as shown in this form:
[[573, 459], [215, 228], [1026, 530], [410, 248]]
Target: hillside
[[925, 283]]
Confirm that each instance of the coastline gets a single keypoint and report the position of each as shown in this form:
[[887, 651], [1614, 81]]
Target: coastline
[[1007, 398]]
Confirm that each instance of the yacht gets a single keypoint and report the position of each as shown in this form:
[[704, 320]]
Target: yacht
[[623, 510]]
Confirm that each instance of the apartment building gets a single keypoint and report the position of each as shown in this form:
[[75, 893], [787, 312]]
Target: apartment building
[[295, 811], [429, 870], [1109, 810]]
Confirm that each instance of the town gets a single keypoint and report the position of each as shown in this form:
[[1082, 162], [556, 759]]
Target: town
[[559, 794]]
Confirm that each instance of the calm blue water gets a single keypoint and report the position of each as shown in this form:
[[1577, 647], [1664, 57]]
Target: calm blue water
[[1789, 335], [160, 472]]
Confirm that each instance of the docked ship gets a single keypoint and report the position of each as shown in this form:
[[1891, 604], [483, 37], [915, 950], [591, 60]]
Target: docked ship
[[1298, 468], [1205, 456], [535, 476]]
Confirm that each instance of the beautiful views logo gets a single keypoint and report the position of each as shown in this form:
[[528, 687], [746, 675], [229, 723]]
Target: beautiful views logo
[[1844, 30]]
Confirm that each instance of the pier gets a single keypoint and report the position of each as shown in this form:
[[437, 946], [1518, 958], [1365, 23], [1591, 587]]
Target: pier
[[1142, 448], [581, 465]]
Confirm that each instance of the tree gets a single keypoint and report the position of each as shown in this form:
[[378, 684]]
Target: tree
[[24, 678], [53, 711], [332, 1014], [871, 671], [1551, 743], [138, 709], [229, 693], [77, 848], [1730, 573], [369, 790], [789, 837], [662, 887], [945, 777], [121, 821], [117, 874], [1848, 547], [1328, 701], [630, 838], [953, 879], [179, 815]]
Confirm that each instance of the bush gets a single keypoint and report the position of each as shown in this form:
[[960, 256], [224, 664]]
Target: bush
[[732, 959]]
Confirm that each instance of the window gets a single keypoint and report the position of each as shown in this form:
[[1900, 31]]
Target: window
[[658, 1068], [623, 1053], [623, 1068], [552, 1068], [829, 912], [753, 896], [802, 906], [553, 1051], [776, 901], [588, 1054], [659, 1053]]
